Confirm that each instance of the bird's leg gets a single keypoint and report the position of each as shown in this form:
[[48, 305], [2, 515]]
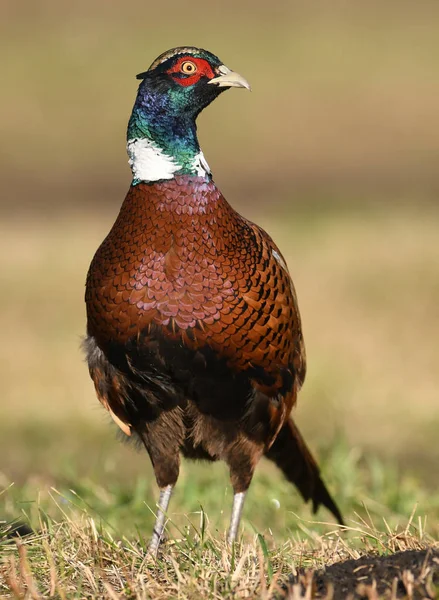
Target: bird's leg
[[238, 504], [163, 503], [242, 459], [162, 439]]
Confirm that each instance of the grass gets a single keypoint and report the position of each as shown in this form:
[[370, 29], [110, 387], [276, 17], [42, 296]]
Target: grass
[[78, 553], [123, 500]]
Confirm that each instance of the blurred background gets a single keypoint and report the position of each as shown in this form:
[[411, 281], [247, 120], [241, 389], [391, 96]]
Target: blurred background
[[335, 152]]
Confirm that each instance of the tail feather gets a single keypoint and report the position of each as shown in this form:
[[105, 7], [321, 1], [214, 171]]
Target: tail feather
[[292, 456]]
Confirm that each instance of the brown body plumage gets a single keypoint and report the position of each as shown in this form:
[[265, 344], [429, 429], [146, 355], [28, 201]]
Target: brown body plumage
[[194, 336]]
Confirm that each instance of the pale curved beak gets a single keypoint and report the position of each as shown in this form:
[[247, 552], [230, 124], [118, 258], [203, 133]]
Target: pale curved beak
[[229, 78]]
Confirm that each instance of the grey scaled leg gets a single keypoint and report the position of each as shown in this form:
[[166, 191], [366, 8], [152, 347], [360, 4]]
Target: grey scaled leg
[[165, 496], [238, 504]]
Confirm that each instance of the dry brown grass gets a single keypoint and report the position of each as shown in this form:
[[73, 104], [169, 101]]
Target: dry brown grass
[[80, 559]]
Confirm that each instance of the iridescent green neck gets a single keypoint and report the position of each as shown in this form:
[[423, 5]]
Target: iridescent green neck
[[162, 138]]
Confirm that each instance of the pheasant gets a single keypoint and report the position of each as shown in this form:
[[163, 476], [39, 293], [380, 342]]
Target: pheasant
[[194, 339]]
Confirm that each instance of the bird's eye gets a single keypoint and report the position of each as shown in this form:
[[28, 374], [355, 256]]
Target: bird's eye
[[188, 67]]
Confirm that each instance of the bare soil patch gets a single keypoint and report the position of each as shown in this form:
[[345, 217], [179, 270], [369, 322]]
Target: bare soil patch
[[408, 574]]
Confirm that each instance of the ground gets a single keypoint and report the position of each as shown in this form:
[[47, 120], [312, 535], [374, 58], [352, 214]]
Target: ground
[[77, 560], [409, 573]]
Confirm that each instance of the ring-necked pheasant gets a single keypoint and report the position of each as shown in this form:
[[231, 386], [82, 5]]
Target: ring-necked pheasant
[[194, 337]]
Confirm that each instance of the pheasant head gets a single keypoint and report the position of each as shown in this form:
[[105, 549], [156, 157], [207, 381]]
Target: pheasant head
[[162, 135]]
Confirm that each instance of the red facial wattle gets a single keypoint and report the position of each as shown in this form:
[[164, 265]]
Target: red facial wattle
[[203, 69]]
